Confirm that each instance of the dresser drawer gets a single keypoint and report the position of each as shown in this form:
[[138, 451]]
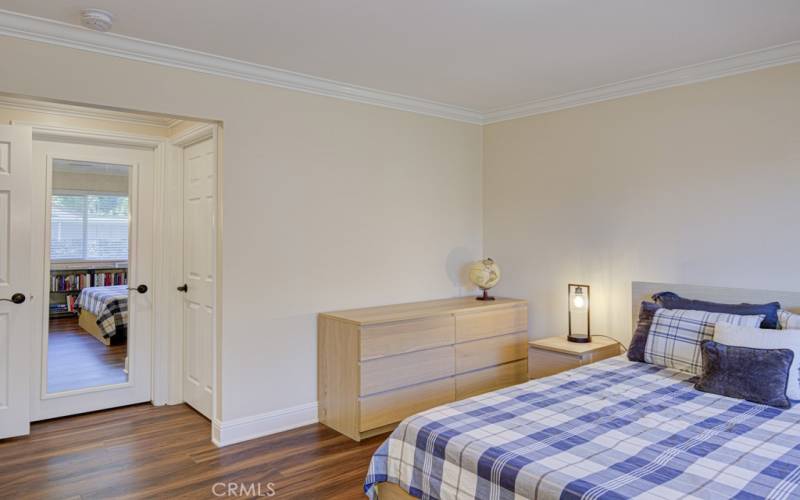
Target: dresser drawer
[[394, 406], [383, 374], [490, 379], [473, 326], [490, 352], [406, 336]]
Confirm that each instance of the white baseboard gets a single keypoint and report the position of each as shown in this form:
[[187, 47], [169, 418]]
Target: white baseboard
[[245, 428]]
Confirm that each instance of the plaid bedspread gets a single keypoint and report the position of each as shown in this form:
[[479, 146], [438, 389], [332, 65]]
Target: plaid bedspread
[[611, 430], [110, 305]]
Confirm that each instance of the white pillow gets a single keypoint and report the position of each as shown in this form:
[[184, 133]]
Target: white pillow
[[788, 320], [759, 338]]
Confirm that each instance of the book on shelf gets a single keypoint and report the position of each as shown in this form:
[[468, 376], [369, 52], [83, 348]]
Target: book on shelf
[[58, 308], [71, 303], [69, 282], [111, 278]]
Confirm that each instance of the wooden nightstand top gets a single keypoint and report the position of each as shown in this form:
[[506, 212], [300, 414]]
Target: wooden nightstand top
[[562, 345]]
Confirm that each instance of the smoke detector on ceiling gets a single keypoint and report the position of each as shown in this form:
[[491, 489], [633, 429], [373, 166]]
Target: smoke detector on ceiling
[[97, 19]]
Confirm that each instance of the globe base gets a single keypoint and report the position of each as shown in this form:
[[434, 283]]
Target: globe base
[[485, 296]]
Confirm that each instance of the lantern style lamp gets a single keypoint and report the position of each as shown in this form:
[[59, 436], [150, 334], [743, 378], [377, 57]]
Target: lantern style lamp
[[578, 310]]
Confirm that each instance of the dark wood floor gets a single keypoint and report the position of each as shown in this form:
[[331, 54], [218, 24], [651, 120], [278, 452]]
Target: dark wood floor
[[165, 452], [76, 360]]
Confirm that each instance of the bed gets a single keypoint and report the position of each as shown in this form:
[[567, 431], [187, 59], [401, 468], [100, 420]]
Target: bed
[[104, 313], [614, 429]]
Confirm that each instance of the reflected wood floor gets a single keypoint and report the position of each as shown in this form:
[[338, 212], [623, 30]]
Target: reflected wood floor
[[165, 452], [76, 360]]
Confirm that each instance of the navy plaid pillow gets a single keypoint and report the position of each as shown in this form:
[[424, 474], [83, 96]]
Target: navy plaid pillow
[[676, 334]]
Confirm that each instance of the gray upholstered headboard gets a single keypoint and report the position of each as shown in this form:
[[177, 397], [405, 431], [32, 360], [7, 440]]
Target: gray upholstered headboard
[[641, 290]]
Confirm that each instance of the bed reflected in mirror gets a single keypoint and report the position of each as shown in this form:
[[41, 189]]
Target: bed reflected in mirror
[[89, 233]]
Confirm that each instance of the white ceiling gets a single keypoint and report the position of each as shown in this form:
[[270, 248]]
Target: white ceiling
[[482, 55]]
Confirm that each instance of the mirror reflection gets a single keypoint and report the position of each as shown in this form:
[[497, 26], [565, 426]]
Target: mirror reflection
[[88, 308]]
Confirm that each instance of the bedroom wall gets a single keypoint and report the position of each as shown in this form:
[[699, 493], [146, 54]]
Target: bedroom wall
[[695, 184], [327, 204]]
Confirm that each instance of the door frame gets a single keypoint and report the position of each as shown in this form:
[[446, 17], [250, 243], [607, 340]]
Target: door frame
[[167, 341], [174, 201]]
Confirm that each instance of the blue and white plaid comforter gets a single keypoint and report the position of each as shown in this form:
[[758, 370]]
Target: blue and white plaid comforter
[[110, 305], [611, 430]]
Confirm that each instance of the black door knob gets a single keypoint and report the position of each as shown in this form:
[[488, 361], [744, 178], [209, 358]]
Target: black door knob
[[140, 288], [184, 288], [17, 298]]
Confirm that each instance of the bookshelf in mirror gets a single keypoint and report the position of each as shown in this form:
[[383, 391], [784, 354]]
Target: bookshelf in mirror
[[68, 279]]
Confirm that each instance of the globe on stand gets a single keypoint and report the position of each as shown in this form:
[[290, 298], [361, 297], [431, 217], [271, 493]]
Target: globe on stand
[[484, 274]]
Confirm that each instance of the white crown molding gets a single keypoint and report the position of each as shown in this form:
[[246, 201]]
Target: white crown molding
[[245, 428], [68, 35], [718, 68], [53, 108]]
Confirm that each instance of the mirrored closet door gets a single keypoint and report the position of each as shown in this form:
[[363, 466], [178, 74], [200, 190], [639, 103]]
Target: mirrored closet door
[[88, 293], [96, 225]]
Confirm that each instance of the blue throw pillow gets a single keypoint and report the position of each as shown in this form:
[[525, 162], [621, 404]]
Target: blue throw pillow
[[670, 300], [639, 340], [757, 375]]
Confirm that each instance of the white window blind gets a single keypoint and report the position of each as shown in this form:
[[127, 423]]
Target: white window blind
[[89, 227]]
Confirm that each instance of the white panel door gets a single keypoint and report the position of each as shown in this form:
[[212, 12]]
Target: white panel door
[[199, 238], [15, 265]]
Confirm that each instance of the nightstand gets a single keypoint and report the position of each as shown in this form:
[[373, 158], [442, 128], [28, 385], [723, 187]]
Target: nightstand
[[555, 354]]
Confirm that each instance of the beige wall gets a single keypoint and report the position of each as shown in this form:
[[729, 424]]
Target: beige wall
[[696, 184], [331, 204], [327, 204]]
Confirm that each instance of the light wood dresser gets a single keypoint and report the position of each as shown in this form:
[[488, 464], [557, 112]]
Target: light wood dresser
[[378, 365]]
